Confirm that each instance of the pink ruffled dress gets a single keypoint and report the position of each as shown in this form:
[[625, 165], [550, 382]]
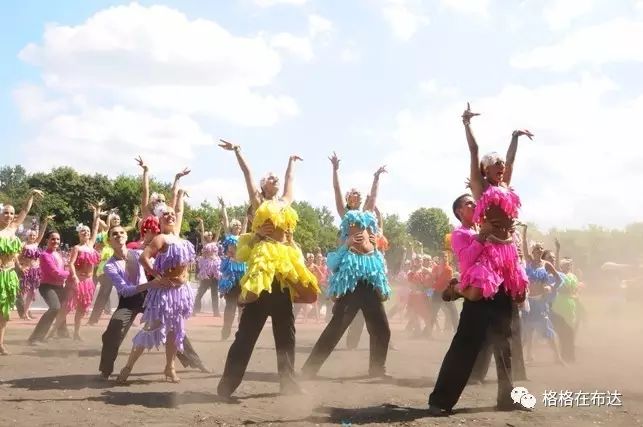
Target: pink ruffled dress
[[80, 297], [498, 263], [209, 263], [30, 280]]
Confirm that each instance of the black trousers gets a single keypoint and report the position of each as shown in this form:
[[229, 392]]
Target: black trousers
[[566, 337], [231, 307], [448, 307], [54, 297], [102, 299], [355, 331], [213, 285], [518, 371], [278, 306], [478, 320], [117, 328], [363, 298]]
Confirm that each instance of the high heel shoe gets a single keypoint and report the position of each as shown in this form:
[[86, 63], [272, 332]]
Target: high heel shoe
[[122, 377], [170, 376]]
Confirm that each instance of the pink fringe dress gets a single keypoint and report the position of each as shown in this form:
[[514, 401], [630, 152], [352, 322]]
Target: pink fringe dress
[[80, 297], [499, 263]]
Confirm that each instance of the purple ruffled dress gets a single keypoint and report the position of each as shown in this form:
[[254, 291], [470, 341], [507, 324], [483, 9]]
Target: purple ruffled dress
[[30, 280], [167, 309], [209, 263]]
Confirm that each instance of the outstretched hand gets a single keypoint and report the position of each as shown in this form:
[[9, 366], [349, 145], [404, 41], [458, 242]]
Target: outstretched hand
[[38, 193], [335, 161], [294, 158], [380, 171], [525, 132], [228, 145], [141, 163], [468, 114], [50, 217], [182, 173], [221, 202]]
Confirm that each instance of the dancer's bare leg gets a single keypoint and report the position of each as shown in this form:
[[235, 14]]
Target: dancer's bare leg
[[77, 318], [170, 354], [3, 328]]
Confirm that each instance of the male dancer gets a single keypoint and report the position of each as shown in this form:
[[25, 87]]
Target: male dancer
[[480, 319], [128, 277]]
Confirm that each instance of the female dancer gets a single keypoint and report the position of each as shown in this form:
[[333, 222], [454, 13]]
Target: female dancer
[[491, 274], [29, 264], [231, 270], [276, 277], [80, 286], [543, 280], [358, 280], [155, 204], [208, 269], [166, 309], [10, 247]]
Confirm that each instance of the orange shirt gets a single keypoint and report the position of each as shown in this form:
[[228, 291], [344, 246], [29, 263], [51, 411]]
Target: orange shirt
[[441, 277]]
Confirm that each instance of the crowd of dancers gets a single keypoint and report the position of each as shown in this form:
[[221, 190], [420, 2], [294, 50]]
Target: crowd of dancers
[[510, 291]]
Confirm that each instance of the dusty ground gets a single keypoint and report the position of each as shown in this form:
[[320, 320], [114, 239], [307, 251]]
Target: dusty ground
[[56, 384]]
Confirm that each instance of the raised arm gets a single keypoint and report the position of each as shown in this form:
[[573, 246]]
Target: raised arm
[[372, 200], [339, 202], [557, 244], [289, 179], [475, 175], [224, 216], [133, 225], [380, 221], [201, 229], [179, 210], [95, 223], [511, 153], [252, 190], [20, 218], [43, 228], [145, 196], [175, 187], [525, 246]]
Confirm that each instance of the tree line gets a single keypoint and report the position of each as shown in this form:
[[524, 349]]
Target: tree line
[[67, 193]]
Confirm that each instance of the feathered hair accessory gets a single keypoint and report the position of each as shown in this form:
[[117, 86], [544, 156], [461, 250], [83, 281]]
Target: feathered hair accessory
[[491, 159], [81, 227], [352, 191], [157, 197], [228, 241], [160, 208], [151, 223], [265, 179]]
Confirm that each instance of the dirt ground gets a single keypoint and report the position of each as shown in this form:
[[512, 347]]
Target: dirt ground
[[57, 384]]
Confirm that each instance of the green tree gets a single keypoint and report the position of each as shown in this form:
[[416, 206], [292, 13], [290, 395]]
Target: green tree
[[398, 237], [429, 226], [315, 228]]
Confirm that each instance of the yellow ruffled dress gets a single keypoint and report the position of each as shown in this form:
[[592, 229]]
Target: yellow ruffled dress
[[268, 260]]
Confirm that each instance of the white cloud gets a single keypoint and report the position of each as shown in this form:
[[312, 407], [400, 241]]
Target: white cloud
[[107, 140], [319, 26], [269, 3], [350, 54], [137, 79], [617, 40], [560, 13], [477, 8], [574, 166], [432, 88], [297, 46], [405, 17]]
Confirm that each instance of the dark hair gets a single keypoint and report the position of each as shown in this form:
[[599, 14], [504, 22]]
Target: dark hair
[[109, 232], [546, 252], [457, 203], [52, 232]]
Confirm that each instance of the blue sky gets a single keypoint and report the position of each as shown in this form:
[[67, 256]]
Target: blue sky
[[92, 84]]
